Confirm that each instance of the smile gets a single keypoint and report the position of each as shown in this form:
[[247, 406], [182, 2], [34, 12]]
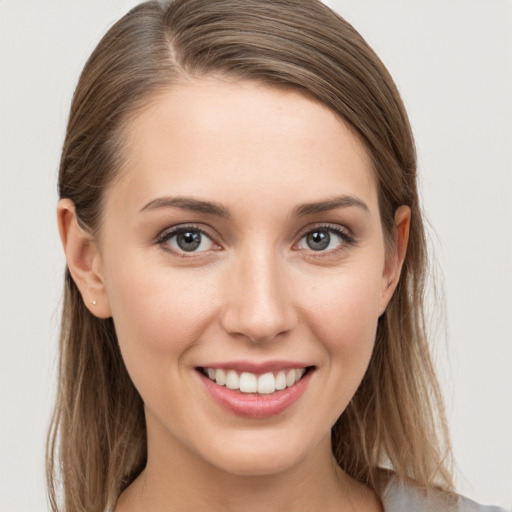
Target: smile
[[247, 382], [258, 394]]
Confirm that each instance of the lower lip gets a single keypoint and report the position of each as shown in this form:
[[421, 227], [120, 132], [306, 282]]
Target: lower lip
[[253, 405]]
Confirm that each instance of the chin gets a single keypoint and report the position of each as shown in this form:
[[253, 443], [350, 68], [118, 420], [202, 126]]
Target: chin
[[259, 466], [260, 457]]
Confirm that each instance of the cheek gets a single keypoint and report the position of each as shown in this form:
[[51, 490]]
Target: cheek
[[159, 318], [344, 314], [157, 313]]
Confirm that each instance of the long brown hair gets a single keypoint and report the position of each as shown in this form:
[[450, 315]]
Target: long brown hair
[[97, 439]]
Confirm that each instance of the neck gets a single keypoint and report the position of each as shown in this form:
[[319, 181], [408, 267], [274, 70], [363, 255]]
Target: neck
[[175, 478]]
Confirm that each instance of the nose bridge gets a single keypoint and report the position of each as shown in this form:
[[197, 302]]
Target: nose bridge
[[259, 304]]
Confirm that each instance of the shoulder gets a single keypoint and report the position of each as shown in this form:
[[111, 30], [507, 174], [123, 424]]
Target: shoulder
[[399, 497]]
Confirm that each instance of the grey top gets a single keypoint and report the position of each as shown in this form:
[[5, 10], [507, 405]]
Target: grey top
[[397, 497]]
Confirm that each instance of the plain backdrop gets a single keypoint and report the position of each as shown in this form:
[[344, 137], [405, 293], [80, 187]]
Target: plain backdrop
[[452, 61]]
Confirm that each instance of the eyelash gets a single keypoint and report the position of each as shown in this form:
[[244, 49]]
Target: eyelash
[[347, 240], [163, 238], [346, 237]]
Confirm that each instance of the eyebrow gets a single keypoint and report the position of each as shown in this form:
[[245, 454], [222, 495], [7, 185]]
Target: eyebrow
[[345, 201], [189, 204], [211, 208]]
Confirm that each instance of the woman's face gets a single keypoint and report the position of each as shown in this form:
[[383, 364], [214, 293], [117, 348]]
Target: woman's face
[[243, 240]]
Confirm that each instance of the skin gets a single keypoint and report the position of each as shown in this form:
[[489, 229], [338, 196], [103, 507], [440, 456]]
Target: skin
[[255, 290]]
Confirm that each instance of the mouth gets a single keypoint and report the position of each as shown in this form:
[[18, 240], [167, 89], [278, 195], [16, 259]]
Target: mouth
[[251, 383], [256, 395]]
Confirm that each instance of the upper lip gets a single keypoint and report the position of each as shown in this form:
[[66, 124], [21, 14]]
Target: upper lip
[[257, 368]]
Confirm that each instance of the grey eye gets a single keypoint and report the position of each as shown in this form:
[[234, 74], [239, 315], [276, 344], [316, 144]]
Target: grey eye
[[318, 240], [323, 239], [188, 240]]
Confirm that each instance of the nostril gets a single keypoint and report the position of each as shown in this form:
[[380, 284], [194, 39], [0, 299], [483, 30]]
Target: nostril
[[257, 324]]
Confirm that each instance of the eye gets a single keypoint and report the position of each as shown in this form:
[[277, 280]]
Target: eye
[[324, 239], [186, 240]]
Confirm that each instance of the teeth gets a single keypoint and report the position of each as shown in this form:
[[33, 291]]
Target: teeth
[[266, 383], [232, 380], [250, 383], [290, 378], [220, 377], [281, 380]]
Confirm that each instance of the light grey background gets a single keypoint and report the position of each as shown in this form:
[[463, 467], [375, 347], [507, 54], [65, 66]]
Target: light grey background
[[452, 60]]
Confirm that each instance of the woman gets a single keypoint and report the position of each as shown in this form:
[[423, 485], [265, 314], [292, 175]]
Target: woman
[[243, 320]]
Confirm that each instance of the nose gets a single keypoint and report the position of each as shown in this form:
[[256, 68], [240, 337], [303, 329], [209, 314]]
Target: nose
[[258, 305]]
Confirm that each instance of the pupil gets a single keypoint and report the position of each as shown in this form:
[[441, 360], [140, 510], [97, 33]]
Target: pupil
[[318, 240], [189, 240]]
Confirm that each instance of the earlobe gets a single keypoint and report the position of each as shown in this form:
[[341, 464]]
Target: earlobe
[[396, 259], [83, 260]]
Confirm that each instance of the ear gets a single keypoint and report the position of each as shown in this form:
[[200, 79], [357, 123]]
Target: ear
[[395, 259], [83, 259]]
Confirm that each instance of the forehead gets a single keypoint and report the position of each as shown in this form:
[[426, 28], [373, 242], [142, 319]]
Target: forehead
[[204, 134]]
